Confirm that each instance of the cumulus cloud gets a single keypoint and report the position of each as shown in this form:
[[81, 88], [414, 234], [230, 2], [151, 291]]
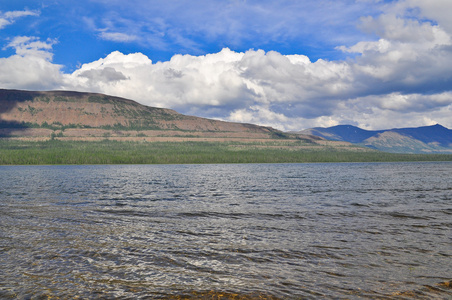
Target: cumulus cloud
[[411, 57], [107, 74], [31, 67], [398, 110], [226, 80], [286, 92], [436, 10], [185, 82]]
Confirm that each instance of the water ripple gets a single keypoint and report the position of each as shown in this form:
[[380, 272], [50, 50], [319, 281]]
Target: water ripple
[[226, 231]]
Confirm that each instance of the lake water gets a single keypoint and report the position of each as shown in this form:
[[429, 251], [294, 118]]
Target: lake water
[[284, 231]]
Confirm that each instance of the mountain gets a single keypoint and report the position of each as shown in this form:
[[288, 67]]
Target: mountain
[[426, 139], [347, 133], [69, 115], [60, 109]]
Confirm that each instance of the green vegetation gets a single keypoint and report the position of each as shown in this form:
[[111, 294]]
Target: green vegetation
[[54, 135], [132, 126], [53, 126], [14, 152], [42, 99], [33, 111], [98, 99]]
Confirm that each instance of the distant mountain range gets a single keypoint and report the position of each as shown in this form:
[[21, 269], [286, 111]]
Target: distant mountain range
[[426, 139]]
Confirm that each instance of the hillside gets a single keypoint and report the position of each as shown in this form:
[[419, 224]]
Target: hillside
[[426, 139], [62, 109], [75, 115], [65, 115]]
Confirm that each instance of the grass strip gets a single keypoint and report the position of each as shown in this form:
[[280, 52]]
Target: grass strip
[[14, 152]]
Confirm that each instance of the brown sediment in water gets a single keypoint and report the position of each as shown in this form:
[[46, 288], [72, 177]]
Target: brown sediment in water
[[218, 295], [442, 288]]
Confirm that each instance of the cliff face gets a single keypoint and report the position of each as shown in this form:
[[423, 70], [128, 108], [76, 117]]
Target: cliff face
[[85, 110]]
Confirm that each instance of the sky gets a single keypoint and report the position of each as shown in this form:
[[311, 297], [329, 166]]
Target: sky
[[288, 64]]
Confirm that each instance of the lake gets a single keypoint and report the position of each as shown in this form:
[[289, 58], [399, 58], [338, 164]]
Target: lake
[[245, 231]]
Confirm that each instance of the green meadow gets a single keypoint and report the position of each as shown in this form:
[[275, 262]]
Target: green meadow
[[15, 152]]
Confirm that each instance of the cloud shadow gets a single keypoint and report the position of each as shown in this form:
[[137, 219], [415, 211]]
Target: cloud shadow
[[8, 101]]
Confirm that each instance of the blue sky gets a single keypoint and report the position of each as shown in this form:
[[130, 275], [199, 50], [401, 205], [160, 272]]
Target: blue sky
[[87, 30], [286, 64]]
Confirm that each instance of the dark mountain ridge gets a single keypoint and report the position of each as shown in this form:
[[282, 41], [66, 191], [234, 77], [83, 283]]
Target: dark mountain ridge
[[429, 134], [425, 139]]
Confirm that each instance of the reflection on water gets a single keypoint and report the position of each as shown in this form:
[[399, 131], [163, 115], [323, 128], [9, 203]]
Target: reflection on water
[[227, 231]]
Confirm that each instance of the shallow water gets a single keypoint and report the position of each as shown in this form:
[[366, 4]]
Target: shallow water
[[288, 231]]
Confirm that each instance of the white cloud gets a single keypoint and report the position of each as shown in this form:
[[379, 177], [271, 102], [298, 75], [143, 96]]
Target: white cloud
[[221, 82], [31, 67], [410, 57], [9, 17], [107, 74], [287, 92], [386, 111], [118, 37], [185, 82], [255, 114], [32, 46]]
